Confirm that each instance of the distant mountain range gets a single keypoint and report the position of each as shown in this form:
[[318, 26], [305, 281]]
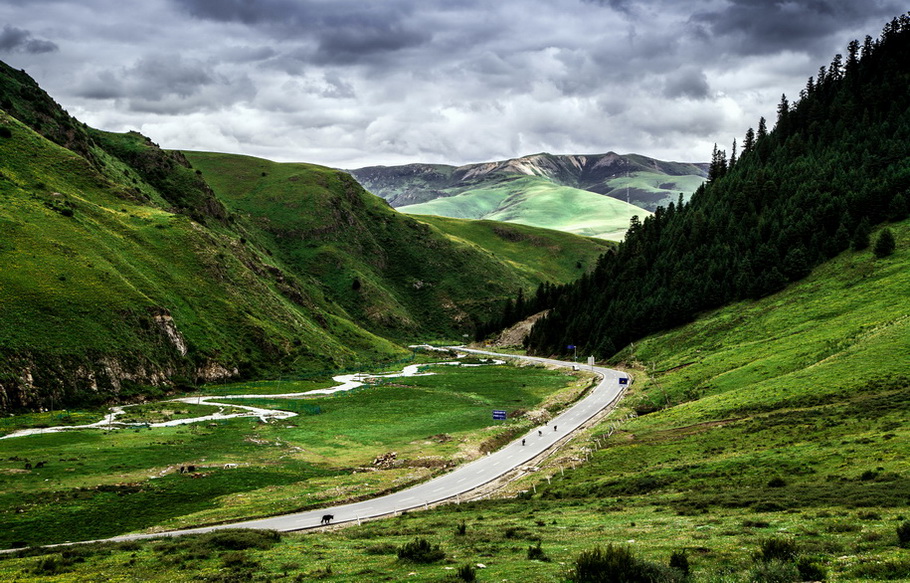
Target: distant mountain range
[[593, 195]]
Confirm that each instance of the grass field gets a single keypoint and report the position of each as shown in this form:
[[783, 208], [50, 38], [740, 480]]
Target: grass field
[[526, 248], [776, 424], [95, 483]]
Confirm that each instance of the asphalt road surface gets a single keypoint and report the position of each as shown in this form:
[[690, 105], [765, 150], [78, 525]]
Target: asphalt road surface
[[460, 481]]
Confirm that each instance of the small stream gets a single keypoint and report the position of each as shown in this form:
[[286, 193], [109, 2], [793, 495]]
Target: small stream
[[345, 383]]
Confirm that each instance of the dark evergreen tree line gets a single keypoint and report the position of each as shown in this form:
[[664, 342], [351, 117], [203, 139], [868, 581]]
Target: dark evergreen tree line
[[836, 162], [515, 311]]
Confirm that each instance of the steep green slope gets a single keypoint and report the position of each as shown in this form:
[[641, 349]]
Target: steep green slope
[[536, 201], [102, 294], [541, 254], [391, 273]]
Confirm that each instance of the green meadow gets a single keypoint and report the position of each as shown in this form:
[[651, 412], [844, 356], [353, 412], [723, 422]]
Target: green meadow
[[536, 201], [97, 483]]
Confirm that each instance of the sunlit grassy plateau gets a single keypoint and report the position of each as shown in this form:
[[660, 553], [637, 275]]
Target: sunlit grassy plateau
[[755, 423]]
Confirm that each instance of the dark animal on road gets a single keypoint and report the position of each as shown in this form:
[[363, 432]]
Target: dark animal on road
[[327, 518]]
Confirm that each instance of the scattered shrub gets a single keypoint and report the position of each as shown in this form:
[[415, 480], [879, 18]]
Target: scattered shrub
[[5, 132], [381, 549], [420, 551], [810, 571], [868, 476], [603, 565], [461, 528], [892, 570], [467, 573], [777, 549], [237, 560], [773, 572], [680, 562], [241, 539], [903, 534], [535, 553], [776, 482]]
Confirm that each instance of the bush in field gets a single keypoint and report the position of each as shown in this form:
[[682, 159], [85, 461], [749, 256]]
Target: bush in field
[[810, 571], [903, 534], [680, 562], [537, 554], [777, 549], [619, 565], [467, 573], [420, 551], [774, 571]]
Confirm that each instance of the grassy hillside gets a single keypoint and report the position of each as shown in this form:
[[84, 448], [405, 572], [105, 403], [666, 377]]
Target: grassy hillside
[[770, 445], [536, 201], [102, 293], [541, 254], [393, 274]]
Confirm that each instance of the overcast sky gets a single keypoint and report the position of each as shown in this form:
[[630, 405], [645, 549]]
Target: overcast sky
[[350, 83]]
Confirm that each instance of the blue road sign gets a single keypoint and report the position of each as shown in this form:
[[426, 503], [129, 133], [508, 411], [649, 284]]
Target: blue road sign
[[624, 380], [499, 415], [570, 347]]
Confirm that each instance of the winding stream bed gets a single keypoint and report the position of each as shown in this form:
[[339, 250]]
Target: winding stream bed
[[346, 383]]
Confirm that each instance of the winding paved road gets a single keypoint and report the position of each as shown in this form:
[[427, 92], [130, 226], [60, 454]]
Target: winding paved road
[[457, 483]]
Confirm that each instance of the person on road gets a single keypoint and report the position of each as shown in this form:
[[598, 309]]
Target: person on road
[[554, 428], [522, 441], [539, 433]]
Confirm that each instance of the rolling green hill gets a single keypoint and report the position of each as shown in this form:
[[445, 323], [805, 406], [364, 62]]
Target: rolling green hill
[[543, 189], [538, 202], [124, 267]]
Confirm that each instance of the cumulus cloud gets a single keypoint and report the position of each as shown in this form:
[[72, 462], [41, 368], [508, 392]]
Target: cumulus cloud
[[14, 39]]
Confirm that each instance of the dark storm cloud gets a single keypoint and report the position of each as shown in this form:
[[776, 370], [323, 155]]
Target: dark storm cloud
[[756, 27], [167, 83], [343, 31], [351, 83], [14, 39], [687, 82]]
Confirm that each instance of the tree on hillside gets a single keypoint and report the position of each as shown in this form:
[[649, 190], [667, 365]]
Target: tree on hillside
[[885, 244], [861, 235]]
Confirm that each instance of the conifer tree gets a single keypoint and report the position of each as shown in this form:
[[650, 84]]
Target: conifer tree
[[884, 244], [861, 235]]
